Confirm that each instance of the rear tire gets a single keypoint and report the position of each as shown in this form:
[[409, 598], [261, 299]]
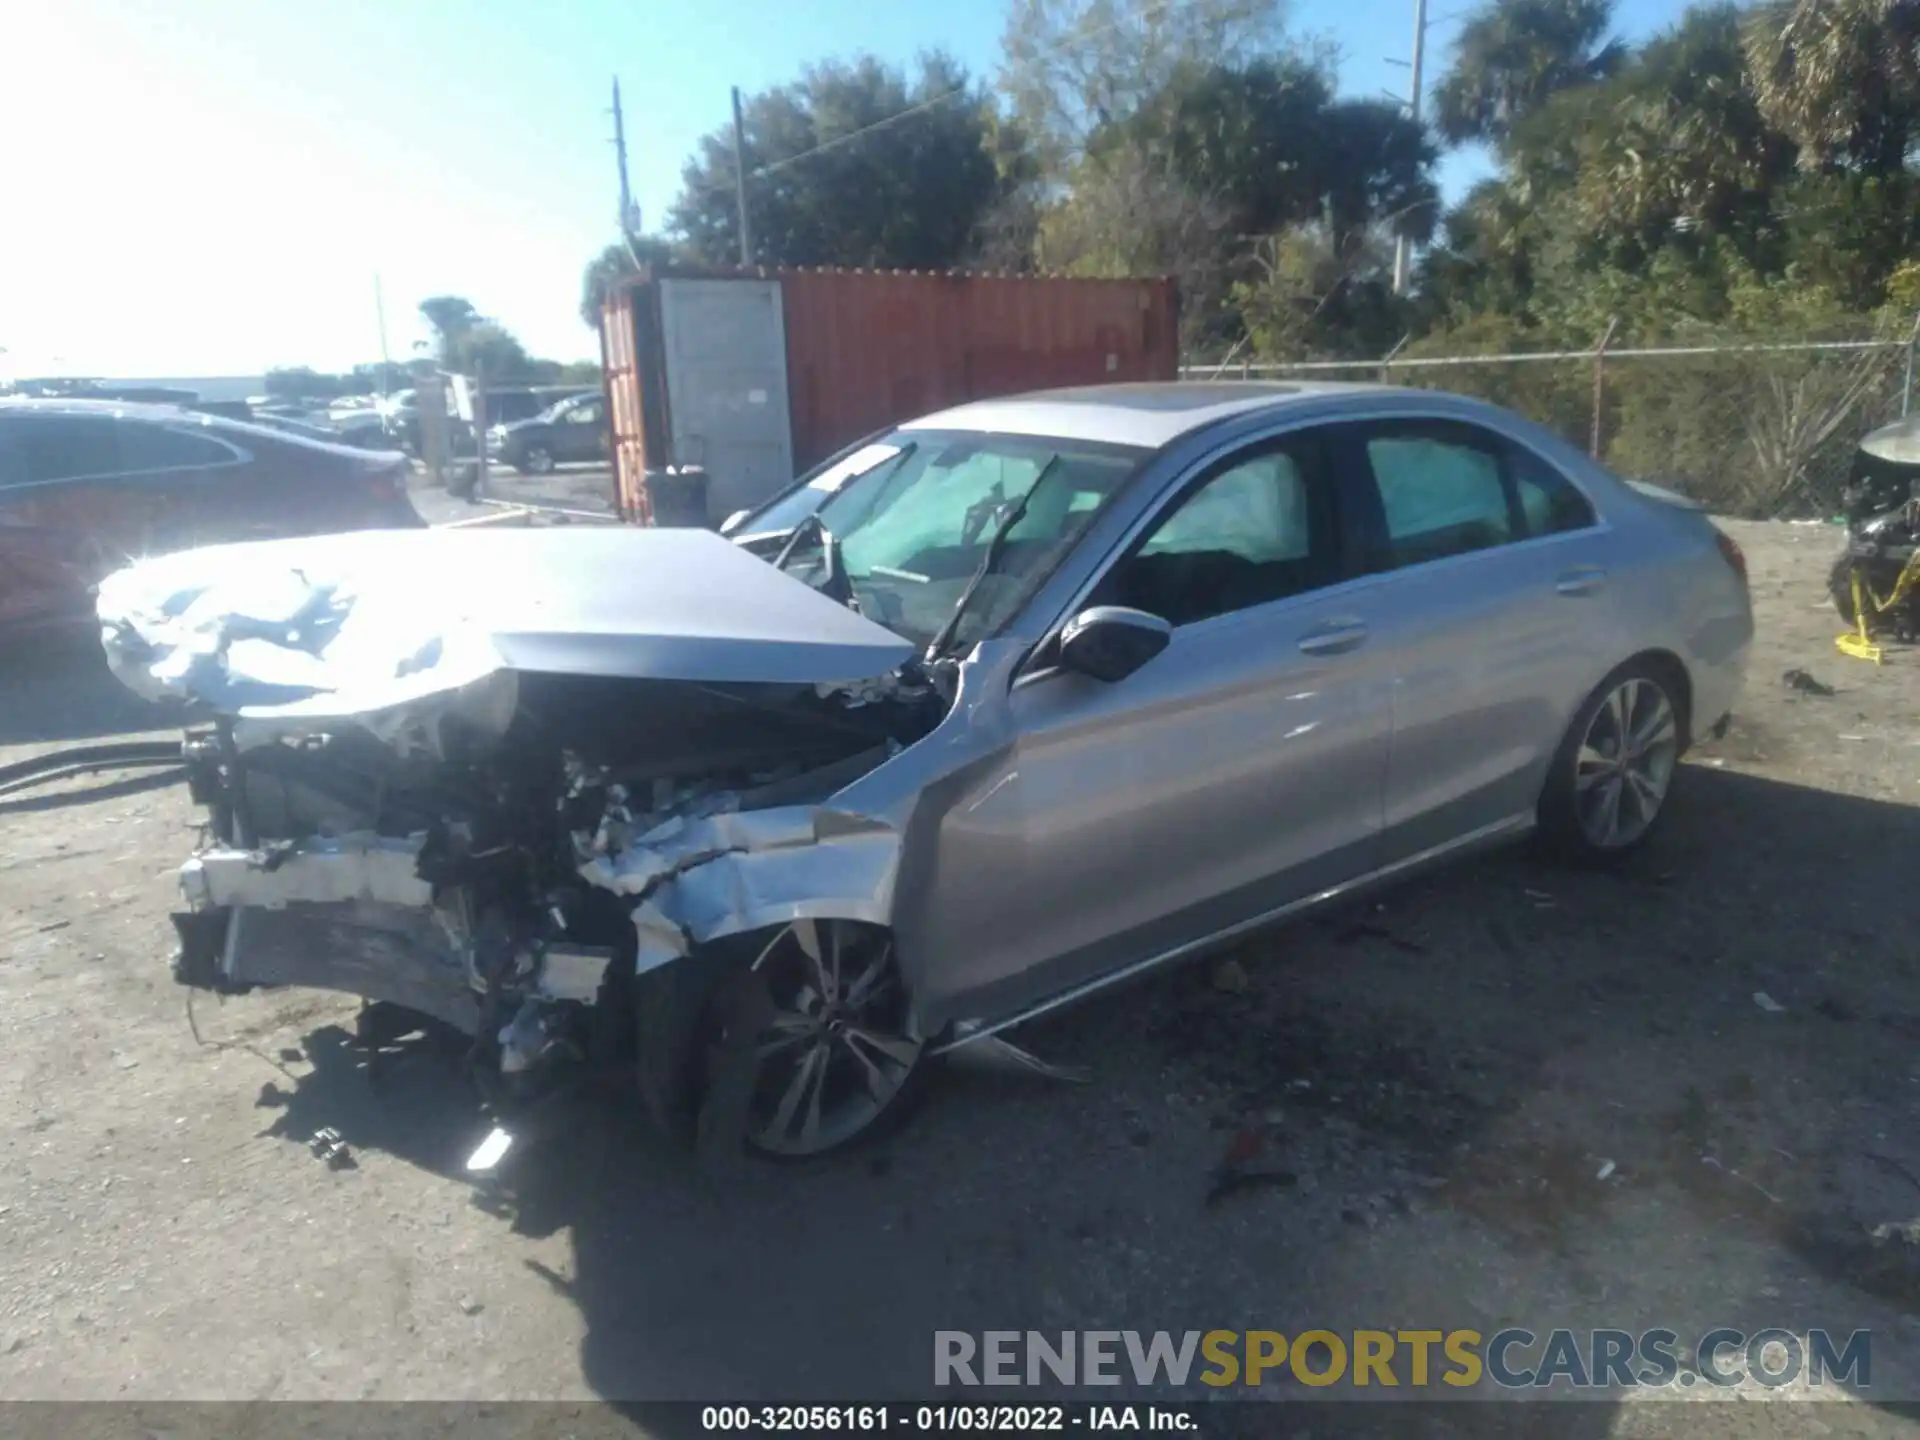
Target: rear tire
[[1612, 776], [1840, 586]]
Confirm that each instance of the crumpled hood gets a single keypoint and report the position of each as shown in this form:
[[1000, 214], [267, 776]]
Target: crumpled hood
[[369, 622]]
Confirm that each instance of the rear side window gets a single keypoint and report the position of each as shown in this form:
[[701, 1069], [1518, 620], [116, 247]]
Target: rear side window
[[1440, 497], [13, 465], [67, 447], [161, 447], [1548, 500], [81, 447], [1448, 488]]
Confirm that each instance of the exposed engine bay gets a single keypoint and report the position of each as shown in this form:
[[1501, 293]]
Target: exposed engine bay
[[1874, 579], [507, 847]]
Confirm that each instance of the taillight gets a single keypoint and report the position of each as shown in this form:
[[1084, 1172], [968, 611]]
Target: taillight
[[387, 485], [1730, 548]]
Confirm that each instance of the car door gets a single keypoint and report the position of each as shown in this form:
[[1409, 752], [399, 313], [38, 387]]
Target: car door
[[1239, 770], [580, 435], [194, 487], [72, 516], [1490, 570]]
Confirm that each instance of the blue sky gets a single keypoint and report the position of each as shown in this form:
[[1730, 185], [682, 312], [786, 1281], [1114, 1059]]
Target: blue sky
[[206, 187]]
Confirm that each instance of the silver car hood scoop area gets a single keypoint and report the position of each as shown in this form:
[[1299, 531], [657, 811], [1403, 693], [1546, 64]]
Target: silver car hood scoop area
[[287, 634]]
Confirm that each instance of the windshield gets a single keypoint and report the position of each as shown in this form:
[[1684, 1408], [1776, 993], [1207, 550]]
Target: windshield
[[913, 529], [790, 509]]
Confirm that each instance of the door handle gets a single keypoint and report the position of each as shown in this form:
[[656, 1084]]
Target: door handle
[[1581, 580], [1335, 637]]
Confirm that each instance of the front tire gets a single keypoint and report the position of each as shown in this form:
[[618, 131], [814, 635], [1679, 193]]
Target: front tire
[[837, 1057], [1613, 773], [537, 460]]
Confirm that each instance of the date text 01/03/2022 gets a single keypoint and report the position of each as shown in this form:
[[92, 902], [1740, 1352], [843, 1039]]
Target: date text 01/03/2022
[[990, 1419]]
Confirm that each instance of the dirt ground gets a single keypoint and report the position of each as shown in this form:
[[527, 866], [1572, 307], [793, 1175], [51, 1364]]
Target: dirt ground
[[1728, 1029]]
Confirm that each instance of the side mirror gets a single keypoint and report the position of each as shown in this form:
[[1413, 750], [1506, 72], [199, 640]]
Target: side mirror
[[732, 522], [1110, 642]]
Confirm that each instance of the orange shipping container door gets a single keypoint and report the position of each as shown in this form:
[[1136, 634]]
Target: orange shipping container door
[[868, 349], [620, 369]]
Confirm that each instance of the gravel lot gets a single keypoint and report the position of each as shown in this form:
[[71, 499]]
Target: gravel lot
[[1442, 1075]]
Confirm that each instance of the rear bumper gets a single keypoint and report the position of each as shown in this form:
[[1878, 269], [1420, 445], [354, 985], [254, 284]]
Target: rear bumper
[[1717, 670]]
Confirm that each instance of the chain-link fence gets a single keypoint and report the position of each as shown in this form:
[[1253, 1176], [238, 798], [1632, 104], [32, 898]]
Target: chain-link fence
[[1753, 430]]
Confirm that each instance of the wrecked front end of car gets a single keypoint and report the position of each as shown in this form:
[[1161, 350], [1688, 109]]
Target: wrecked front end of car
[[1875, 580], [532, 784]]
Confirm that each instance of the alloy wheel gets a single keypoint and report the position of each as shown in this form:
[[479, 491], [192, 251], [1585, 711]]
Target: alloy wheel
[[841, 1044], [539, 460], [1625, 764]]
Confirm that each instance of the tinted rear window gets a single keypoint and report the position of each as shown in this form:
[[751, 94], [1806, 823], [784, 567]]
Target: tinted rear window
[[161, 447], [65, 447]]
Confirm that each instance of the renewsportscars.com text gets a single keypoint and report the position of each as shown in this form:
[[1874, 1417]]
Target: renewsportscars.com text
[[1418, 1359]]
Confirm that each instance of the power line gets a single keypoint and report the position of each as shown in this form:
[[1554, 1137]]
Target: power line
[[1149, 12], [852, 135]]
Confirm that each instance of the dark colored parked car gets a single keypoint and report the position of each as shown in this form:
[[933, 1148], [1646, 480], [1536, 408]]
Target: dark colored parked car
[[87, 485], [571, 432]]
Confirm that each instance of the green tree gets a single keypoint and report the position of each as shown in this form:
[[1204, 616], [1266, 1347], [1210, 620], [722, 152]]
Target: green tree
[[1512, 56], [1070, 68], [611, 266], [1248, 183], [488, 348], [300, 382], [451, 316], [853, 165], [1841, 77]]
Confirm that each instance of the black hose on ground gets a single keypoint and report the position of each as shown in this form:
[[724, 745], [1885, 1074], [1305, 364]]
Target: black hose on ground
[[81, 759]]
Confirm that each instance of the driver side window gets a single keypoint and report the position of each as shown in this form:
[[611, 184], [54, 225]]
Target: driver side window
[[1255, 530]]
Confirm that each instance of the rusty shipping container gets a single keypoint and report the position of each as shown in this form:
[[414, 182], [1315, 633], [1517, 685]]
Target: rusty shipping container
[[758, 375]]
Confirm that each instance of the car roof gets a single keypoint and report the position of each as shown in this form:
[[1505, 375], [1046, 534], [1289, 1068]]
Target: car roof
[[1151, 415], [128, 409]]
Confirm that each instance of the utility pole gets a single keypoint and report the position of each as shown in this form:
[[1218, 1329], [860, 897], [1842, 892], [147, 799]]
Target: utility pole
[[740, 181], [380, 318], [1401, 249], [629, 220]]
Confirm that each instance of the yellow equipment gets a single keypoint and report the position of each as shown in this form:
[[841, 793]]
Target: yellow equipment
[[1857, 642]]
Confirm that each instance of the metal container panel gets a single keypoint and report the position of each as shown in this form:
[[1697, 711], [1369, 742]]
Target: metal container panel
[[871, 348], [866, 349]]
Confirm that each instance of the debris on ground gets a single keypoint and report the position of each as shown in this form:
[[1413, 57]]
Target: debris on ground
[[1246, 1165], [1887, 1162], [491, 1151], [1366, 930], [1744, 1180], [327, 1145], [1606, 1170], [1767, 1003], [1230, 977], [1011, 1056], [1801, 681], [471, 1306]]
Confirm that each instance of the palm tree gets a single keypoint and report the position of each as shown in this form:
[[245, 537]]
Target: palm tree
[[451, 316], [1841, 77], [1514, 55], [1679, 140]]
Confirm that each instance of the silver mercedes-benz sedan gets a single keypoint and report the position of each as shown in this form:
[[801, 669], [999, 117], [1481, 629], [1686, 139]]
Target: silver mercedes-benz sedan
[[1042, 693]]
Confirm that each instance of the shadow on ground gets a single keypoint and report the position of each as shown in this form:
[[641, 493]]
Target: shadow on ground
[[1439, 1076], [57, 688]]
